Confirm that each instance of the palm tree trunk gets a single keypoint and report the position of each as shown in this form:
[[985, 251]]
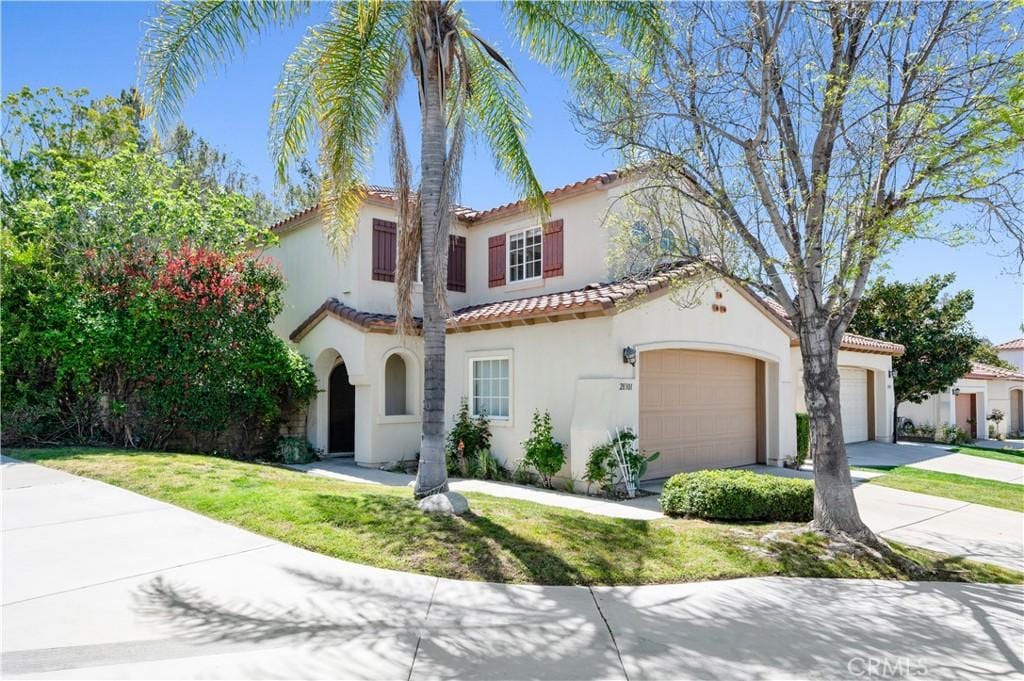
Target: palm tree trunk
[[835, 508], [432, 476]]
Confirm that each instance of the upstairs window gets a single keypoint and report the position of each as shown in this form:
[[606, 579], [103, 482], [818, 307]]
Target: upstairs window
[[525, 258]]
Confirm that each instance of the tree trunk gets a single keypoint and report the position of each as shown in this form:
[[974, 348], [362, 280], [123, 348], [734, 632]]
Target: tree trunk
[[835, 508], [895, 421], [432, 476]]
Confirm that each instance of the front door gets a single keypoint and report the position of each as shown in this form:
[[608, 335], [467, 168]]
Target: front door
[[966, 413], [341, 401]]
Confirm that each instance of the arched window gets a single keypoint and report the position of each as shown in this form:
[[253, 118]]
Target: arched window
[[395, 402]]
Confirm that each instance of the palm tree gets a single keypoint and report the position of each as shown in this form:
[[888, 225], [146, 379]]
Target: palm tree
[[343, 82]]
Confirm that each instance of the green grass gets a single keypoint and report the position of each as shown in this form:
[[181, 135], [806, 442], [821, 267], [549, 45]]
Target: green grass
[[501, 540], [1011, 455], [982, 491]]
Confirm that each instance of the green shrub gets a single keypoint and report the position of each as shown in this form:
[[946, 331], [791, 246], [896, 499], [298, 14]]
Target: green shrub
[[738, 495], [467, 437], [295, 450], [803, 438], [603, 469], [484, 466], [542, 452], [950, 434]]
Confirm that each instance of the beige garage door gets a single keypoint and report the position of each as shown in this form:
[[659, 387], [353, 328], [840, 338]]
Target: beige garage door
[[699, 409]]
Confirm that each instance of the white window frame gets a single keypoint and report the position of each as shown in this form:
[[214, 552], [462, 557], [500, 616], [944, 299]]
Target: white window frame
[[508, 253], [473, 360]]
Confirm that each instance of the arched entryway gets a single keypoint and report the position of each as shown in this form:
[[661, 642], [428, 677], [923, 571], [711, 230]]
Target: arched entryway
[[341, 412], [1016, 411]]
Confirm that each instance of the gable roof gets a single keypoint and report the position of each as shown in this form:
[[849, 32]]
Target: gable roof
[[385, 196], [987, 372], [1015, 344]]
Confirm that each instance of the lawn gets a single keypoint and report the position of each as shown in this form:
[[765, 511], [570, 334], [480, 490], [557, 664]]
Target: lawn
[[501, 540], [1011, 455], [982, 491]]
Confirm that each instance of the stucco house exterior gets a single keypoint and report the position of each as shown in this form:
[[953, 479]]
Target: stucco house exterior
[[969, 402], [540, 322]]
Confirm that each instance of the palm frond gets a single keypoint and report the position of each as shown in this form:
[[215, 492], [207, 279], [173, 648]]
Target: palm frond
[[409, 234], [585, 40], [187, 39], [293, 114], [495, 110], [355, 88]]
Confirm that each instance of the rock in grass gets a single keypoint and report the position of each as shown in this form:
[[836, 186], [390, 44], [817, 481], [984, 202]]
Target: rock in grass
[[451, 503]]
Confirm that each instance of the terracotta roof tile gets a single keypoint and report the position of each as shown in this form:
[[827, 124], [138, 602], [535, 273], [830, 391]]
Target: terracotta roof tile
[[594, 298], [1015, 344], [987, 372], [851, 341]]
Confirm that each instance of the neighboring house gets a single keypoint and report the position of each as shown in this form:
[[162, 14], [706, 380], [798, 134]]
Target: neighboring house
[[969, 402], [538, 323]]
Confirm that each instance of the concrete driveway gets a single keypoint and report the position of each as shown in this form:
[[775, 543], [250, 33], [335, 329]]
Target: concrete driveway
[[99, 582], [933, 458]]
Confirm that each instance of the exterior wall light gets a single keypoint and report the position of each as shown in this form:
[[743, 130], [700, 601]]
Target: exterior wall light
[[629, 355], [956, 391]]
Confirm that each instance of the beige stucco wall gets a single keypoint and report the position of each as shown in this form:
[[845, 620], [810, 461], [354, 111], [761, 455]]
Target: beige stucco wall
[[939, 409], [574, 369], [1014, 357]]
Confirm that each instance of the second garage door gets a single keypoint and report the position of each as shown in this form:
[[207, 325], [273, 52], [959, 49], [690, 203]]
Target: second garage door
[[853, 403], [699, 409]]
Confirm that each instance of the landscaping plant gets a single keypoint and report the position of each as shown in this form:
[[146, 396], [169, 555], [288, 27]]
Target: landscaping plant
[[738, 495], [468, 436], [603, 467], [542, 452], [803, 439]]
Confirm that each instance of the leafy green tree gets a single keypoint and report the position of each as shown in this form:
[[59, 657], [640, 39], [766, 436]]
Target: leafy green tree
[[933, 327], [986, 354], [343, 82], [101, 341]]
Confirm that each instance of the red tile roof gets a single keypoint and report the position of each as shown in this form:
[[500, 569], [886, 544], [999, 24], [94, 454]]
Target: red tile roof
[[851, 341], [1015, 344], [386, 195], [590, 300], [987, 372]]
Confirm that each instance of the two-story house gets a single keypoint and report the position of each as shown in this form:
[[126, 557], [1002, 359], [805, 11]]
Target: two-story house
[[538, 322]]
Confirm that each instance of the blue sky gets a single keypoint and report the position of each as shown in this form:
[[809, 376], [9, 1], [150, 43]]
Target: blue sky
[[95, 46]]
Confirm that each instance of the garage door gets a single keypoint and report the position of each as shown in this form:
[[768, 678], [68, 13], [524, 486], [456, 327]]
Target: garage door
[[853, 400], [699, 409]]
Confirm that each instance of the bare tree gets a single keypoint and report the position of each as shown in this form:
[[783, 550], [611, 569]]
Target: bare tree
[[788, 146]]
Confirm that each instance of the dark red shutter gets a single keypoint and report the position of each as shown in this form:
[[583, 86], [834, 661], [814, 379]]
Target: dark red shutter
[[496, 261], [457, 263], [385, 250], [554, 256]]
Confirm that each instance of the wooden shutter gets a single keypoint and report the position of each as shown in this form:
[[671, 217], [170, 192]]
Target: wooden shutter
[[385, 250], [554, 256], [496, 261], [456, 263]]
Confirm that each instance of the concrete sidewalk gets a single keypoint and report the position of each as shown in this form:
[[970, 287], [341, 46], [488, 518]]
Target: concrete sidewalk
[[99, 582], [934, 458]]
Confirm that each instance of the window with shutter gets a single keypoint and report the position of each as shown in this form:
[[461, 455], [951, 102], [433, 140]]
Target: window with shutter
[[496, 261], [457, 263], [384, 250], [554, 256]]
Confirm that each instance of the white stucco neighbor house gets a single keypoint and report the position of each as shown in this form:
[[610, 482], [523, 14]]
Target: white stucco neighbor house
[[539, 322], [970, 401]]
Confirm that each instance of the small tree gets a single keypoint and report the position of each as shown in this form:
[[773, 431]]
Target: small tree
[[542, 452], [932, 327]]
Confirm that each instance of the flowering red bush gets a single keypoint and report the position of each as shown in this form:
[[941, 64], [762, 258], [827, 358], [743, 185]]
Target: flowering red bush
[[179, 341]]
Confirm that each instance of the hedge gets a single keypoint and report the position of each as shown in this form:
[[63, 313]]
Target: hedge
[[803, 437], [738, 495]]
